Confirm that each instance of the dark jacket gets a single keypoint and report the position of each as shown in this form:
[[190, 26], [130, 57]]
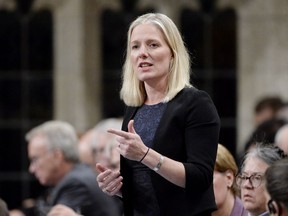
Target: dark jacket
[[80, 191], [188, 132]]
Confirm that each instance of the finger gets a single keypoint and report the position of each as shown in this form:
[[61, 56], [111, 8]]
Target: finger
[[131, 127], [119, 133], [100, 168], [102, 177], [115, 190], [114, 186]]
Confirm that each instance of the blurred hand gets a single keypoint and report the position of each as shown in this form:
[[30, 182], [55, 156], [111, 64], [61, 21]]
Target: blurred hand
[[110, 182], [62, 210]]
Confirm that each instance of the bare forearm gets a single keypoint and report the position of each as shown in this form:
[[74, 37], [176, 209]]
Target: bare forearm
[[171, 170]]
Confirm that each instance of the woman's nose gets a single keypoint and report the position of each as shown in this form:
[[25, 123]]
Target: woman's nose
[[143, 52], [247, 184]]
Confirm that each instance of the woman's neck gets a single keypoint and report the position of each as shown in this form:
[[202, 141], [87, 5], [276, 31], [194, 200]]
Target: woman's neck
[[226, 208], [154, 95]]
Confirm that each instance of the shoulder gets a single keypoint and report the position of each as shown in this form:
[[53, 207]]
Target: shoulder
[[193, 98], [196, 105], [191, 93]]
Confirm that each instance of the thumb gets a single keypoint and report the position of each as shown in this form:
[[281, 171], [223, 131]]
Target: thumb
[[131, 127]]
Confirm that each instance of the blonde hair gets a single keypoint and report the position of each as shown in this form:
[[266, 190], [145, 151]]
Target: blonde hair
[[133, 91], [225, 161]]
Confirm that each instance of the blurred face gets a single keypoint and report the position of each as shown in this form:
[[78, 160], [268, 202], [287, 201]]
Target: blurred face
[[85, 150], [106, 151], [221, 183], [254, 198], [100, 152], [43, 164], [283, 142], [150, 54], [263, 115]]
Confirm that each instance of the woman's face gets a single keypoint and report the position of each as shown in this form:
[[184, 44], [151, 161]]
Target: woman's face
[[150, 54], [221, 184], [254, 198]]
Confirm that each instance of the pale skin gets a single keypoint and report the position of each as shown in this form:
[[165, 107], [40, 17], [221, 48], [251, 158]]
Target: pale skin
[[224, 197], [151, 58], [62, 210]]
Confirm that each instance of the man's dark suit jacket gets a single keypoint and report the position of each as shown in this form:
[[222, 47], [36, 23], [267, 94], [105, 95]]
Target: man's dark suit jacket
[[188, 132], [80, 191]]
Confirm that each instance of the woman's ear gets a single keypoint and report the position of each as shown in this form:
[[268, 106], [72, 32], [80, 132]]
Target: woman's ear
[[230, 178]]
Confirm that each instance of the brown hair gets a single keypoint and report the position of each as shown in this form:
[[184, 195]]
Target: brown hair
[[225, 161]]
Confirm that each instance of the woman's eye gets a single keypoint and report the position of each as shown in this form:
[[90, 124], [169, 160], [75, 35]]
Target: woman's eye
[[153, 45], [134, 47]]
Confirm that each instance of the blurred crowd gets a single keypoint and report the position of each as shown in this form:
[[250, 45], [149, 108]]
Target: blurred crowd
[[254, 182]]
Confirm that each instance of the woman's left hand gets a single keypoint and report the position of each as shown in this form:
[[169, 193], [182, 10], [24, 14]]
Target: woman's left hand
[[130, 144]]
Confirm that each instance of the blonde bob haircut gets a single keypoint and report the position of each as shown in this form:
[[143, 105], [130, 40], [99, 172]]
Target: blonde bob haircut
[[224, 162], [133, 90]]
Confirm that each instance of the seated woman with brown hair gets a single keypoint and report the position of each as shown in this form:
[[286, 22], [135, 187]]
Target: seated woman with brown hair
[[225, 190]]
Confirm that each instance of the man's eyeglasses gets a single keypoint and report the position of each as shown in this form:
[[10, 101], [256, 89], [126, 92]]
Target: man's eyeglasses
[[255, 179], [271, 207]]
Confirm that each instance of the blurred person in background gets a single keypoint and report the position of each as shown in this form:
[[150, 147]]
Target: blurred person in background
[[86, 149], [54, 160], [267, 108], [225, 188], [16, 212], [3, 208], [264, 133], [266, 122], [251, 177], [105, 150], [105, 143], [281, 138], [277, 187], [283, 112], [62, 210], [97, 145]]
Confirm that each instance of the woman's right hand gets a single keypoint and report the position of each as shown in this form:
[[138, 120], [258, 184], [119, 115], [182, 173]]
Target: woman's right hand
[[110, 182]]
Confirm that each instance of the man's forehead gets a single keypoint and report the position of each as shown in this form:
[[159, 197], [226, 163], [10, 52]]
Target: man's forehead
[[38, 143]]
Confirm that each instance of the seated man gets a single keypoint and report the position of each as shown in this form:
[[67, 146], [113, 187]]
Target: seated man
[[54, 160]]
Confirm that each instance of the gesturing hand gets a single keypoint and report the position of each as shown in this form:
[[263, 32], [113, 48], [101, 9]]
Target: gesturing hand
[[130, 144], [110, 182]]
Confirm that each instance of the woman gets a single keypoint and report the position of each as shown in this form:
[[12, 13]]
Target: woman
[[251, 178], [225, 188], [170, 129], [277, 188]]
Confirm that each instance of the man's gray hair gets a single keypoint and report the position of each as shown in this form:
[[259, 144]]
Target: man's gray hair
[[60, 135]]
